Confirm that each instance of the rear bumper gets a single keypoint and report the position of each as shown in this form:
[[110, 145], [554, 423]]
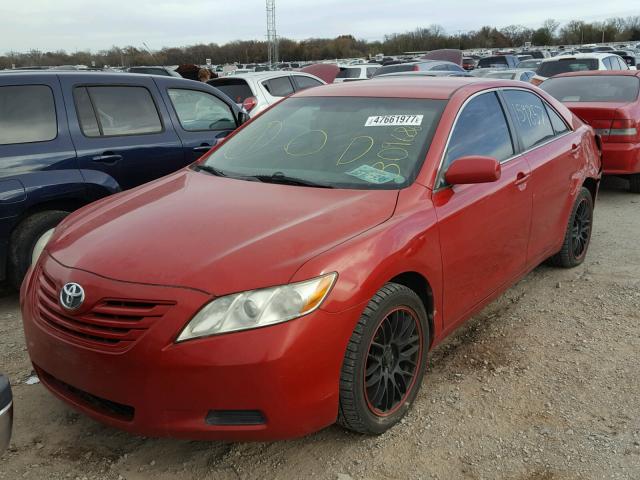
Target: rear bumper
[[620, 158], [288, 373]]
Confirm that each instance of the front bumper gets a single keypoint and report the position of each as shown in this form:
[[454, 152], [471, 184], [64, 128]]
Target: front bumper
[[288, 373], [6, 414], [620, 158]]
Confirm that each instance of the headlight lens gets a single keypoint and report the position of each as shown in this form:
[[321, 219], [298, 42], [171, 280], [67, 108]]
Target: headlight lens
[[40, 244], [258, 308]]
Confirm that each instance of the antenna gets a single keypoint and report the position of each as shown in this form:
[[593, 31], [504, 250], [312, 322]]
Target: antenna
[[272, 37], [151, 53]]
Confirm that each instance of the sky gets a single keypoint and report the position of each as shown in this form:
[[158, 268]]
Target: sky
[[81, 25]]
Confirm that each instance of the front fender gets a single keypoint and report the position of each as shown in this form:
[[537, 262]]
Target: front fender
[[407, 242]]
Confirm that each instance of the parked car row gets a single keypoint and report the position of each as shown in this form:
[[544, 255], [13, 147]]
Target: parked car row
[[343, 232], [299, 273]]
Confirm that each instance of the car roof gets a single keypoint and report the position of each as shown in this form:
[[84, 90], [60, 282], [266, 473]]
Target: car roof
[[266, 75], [579, 56], [511, 70], [434, 88], [594, 73], [79, 73]]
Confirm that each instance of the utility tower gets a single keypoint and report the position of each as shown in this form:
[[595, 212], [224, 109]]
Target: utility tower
[[272, 37]]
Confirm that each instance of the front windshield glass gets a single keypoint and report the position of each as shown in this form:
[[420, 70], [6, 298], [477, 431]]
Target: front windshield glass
[[341, 142]]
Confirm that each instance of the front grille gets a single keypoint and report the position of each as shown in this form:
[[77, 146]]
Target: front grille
[[117, 410], [111, 324]]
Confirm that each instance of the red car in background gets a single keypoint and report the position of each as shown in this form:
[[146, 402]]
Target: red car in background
[[608, 101], [300, 272]]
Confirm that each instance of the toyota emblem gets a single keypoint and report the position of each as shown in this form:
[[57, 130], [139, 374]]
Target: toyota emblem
[[71, 296]]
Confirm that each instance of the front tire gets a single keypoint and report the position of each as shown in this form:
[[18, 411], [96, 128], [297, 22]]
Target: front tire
[[385, 361], [578, 234], [24, 239], [634, 183]]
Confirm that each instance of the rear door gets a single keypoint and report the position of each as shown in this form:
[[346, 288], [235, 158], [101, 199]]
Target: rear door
[[201, 114], [122, 128], [484, 228], [34, 134], [553, 152]]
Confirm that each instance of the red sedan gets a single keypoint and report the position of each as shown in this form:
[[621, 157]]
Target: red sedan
[[299, 273], [609, 102]]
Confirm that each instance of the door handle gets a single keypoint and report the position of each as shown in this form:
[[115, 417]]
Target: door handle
[[575, 147], [522, 177], [108, 158], [202, 148]]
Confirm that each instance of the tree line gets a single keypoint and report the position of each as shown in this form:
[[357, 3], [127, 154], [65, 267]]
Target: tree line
[[345, 46]]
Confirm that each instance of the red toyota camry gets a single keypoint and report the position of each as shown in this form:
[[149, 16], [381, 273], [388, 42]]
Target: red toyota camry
[[610, 102], [299, 273]]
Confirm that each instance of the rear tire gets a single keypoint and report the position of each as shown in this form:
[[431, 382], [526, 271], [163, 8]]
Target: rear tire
[[385, 361], [23, 240], [578, 233], [634, 183]]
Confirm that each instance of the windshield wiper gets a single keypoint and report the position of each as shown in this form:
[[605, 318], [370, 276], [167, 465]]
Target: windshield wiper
[[211, 169], [281, 178]]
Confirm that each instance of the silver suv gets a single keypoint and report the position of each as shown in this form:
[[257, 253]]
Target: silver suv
[[256, 91]]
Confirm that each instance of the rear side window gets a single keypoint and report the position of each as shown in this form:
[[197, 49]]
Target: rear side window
[[236, 89], [530, 115], [565, 65], [303, 82], [199, 111], [593, 88], [279, 87], [558, 124], [481, 129], [27, 114], [371, 71], [119, 110]]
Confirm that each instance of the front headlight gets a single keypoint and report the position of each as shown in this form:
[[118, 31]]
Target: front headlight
[[258, 308]]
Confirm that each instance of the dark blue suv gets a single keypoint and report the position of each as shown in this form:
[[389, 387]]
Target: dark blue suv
[[69, 138]]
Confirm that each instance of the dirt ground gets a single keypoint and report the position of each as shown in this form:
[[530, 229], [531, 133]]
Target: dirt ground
[[544, 384]]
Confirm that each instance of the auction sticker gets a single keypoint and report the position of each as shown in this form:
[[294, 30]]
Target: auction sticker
[[394, 120], [374, 175]]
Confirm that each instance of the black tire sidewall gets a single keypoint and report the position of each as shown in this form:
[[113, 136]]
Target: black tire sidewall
[[23, 240], [585, 195], [406, 298]]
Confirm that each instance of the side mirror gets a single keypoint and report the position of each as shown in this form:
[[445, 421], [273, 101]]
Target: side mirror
[[473, 169], [6, 413], [243, 117]]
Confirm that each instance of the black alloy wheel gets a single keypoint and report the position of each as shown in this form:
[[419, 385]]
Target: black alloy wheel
[[384, 362], [392, 363]]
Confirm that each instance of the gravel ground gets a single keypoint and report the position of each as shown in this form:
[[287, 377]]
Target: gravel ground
[[542, 385]]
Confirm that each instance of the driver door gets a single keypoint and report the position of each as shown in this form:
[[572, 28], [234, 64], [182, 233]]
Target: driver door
[[201, 118]]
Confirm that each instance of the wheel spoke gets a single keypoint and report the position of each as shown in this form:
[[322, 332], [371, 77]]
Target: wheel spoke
[[392, 361]]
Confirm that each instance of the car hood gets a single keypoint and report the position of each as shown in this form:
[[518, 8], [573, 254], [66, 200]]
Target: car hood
[[214, 234]]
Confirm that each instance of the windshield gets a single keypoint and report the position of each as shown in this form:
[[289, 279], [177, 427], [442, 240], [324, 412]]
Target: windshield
[[234, 88], [349, 73], [341, 142], [593, 88], [565, 65], [493, 62]]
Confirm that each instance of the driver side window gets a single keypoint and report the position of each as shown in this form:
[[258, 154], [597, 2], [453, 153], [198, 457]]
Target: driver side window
[[199, 111], [481, 129]]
